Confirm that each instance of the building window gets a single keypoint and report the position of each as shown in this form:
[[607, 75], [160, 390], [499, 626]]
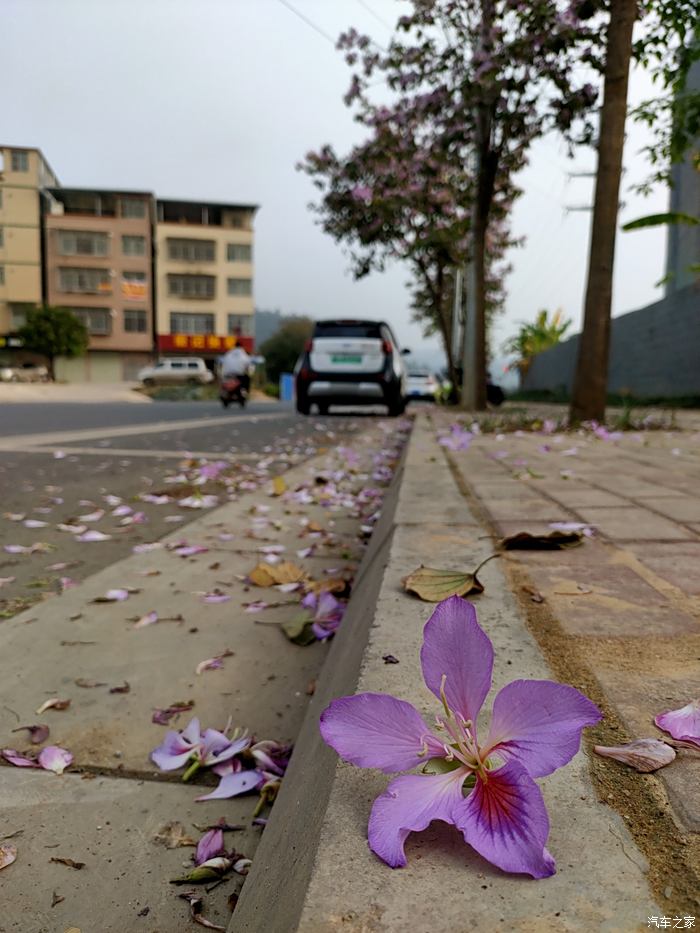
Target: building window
[[191, 250], [134, 245], [135, 321], [187, 323], [2, 275], [82, 243], [240, 287], [20, 160], [239, 252], [97, 320], [86, 281], [241, 325], [18, 318], [191, 286], [133, 207]]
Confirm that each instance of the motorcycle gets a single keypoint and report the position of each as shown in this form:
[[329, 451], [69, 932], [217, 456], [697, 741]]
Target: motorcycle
[[233, 389]]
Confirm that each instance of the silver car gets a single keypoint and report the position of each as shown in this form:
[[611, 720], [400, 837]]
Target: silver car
[[188, 370]]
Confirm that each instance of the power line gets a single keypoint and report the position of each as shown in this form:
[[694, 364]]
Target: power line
[[318, 29], [375, 15], [308, 22]]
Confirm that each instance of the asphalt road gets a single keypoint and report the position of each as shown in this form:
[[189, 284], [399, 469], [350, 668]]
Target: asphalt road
[[28, 417], [60, 461]]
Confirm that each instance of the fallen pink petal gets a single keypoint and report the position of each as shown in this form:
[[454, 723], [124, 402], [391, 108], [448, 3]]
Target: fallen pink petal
[[150, 618], [644, 755], [56, 759], [683, 724], [91, 536]]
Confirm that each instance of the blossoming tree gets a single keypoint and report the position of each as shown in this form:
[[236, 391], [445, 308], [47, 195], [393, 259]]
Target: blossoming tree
[[472, 84]]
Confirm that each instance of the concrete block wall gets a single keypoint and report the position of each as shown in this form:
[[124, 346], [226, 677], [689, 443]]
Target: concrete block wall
[[655, 352]]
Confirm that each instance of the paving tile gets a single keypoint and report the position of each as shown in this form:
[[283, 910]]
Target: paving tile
[[592, 596], [525, 508], [638, 696], [686, 509], [575, 498], [634, 524], [109, 824], [676, 562]]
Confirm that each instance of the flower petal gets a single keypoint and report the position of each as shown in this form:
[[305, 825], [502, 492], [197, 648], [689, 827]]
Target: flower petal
[[56, 759], [409, 804], [505, 820], [683, 723], [373, 730], [177, 748], [231, 785], [539, 723], [455, 645], [209, 846]]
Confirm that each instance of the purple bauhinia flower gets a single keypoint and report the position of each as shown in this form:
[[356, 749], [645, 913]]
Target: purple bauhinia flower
[[202, 749], [457, 439], [483, 787], [327, 613]]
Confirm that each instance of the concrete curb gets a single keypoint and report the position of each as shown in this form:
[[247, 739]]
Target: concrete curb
[[272, 896], [313, 870]]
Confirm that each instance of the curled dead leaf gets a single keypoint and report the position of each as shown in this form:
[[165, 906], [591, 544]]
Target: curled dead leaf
[[552, 541], [67, 861]]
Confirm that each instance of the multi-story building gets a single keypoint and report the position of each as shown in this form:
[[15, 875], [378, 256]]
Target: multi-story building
[[24, 176], [146, 277], [204, 288], [99, 264]]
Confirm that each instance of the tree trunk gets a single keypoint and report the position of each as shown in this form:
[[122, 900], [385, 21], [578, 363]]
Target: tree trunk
[[444, 329], [52, 372], [591, 378], [480, 309]]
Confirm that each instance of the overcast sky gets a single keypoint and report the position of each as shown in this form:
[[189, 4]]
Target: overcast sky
[[218, 99]]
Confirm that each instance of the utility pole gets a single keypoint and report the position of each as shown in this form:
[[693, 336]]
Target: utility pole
[[469, 367]]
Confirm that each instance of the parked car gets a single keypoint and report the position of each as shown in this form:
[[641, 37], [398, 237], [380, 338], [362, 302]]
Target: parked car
[[25, 372], [351, 362], [422, 383], [189, 370]]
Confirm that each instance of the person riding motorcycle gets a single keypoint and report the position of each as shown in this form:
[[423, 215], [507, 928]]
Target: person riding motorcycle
[[237, 363]]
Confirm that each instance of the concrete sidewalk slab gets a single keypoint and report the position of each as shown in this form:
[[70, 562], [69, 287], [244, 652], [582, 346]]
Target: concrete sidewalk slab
[[446, 887], [109, 825]]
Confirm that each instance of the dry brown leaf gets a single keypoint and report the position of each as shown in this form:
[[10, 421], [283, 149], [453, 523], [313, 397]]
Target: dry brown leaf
[[552, 541], [56, 899], [533, 593], [67, 861], [8, 853], [173, 836], [432, 585], [278, 486], [274, 574]]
